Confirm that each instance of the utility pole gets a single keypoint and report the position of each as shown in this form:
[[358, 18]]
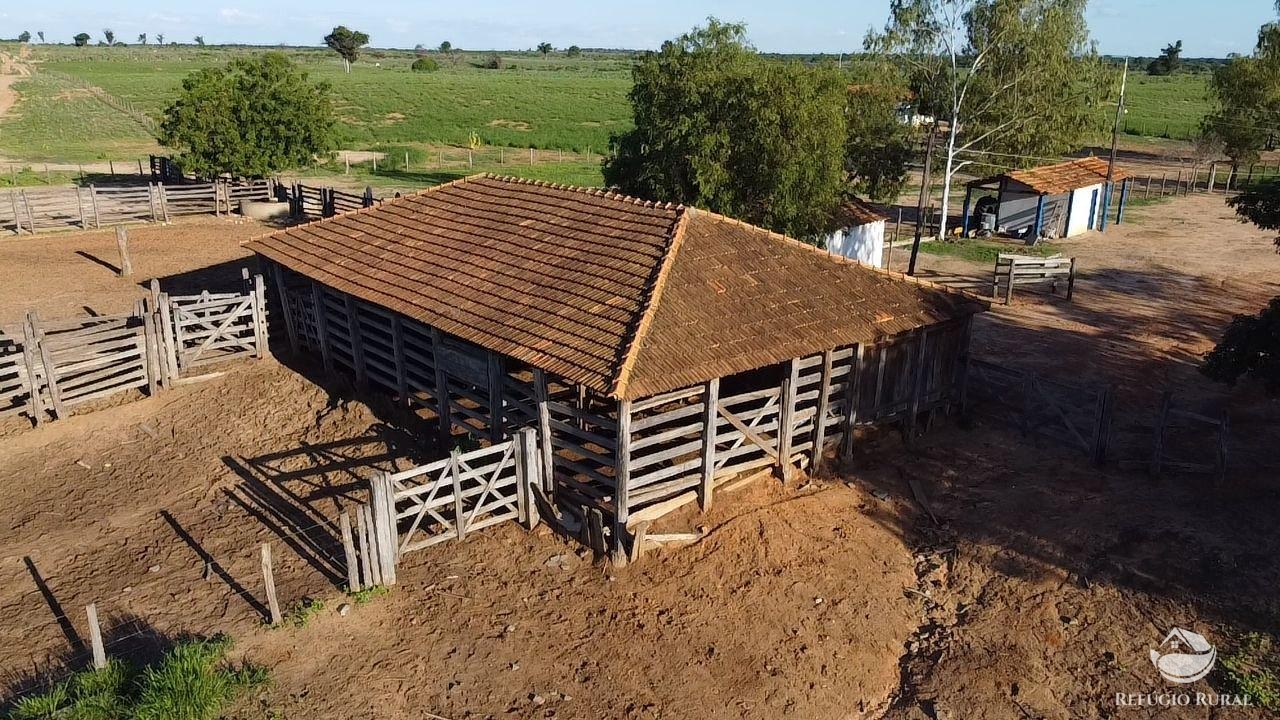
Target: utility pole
[[1115, 135], [925, 182]]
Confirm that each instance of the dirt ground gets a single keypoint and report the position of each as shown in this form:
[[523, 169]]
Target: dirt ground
[[1033, 586]]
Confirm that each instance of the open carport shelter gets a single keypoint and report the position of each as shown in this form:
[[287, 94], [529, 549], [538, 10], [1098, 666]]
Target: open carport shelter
[[1057, 200], [659, 350]]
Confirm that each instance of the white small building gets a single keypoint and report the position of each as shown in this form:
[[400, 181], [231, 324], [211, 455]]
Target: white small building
[[857, 232], [1050, 201]]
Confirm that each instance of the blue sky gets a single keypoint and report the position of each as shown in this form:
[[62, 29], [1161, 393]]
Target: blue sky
[[1121, 27]]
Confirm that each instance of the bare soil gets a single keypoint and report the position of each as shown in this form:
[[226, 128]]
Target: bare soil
[[1024, 583]]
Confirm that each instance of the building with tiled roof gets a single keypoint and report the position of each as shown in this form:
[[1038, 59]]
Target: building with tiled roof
[[1058, 200], [607, 322]]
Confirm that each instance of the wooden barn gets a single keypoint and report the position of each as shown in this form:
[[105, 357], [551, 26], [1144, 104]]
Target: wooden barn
[[1052, 201], [659, 350]]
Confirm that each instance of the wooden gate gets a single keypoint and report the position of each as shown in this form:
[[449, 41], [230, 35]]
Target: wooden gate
[[1079, 417], [212, 327], [465, 492]]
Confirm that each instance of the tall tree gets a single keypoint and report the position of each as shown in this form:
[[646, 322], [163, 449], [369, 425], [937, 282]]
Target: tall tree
[[347, 43], [446, 47], [199, 40], [110, 35], [545, 48], [24, 36], [253, 117], [1246, 100], [1012, 79], [1169, 61], [159, 38], [81, 39], [573, 51], [878, 144], [40, 34], [719, 126], [142, 38]]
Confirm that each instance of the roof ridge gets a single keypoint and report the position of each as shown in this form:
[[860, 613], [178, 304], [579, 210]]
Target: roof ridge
[[623, 377], [605, 192], [846, 260]]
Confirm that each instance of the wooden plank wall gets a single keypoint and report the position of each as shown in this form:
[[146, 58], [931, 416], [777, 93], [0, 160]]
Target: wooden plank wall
[[13, 379]]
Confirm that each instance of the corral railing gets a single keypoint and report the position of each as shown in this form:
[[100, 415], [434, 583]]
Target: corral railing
[[1073, 415], [1022, 270], [322, 202], [47, 368], [32, 210], [448, 499]]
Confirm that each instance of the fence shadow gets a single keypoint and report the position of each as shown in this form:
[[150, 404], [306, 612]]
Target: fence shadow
[[212, 566], [55, 607], [126, 637], [299, 493]]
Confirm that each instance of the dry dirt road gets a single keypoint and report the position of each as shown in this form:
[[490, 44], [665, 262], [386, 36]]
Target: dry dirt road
[[1033, 587]]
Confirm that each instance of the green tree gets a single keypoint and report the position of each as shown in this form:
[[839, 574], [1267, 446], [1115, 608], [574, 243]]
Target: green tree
[[40, 34], [573, 51], [545, 48], [110, 36], [199, 40], [719, 126], [446, 47], [1169, 61], [1249, 347], [160, 38], [24, 36], [1015, 77], [255, 116], [878, 145], [425, 64], [347, 43], [81, 39], [142, 38], [1245, 94]]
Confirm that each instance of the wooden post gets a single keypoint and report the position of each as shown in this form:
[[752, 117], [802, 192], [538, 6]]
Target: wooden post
[[540, 396], [282, 295], [786, 415], [122, 244], [95, 637], [495, 376], [1071, 279], [1162, 417], [1223, 429], [921, 357], [852, 398], [385, 534], [80, 210], [443, 409], [455, 474], [349, 552], [164, 202], [362, 539], [1213, 175], [17, 219], [528, 468], [1177, 185], [1101, 425], [26, 204], [357, 342], [397, 358], [152, 344], [167, 333], [1164, 178], [710, 421], [93, 203], [322, 325], [820, 421], [46, 363], [269, 581], [622, 475]]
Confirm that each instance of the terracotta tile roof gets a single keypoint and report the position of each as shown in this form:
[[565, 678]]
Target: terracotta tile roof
[[627, 297], [853, 212], [1066, 176]]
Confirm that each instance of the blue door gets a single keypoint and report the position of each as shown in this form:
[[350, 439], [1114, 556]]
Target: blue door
[[1093, 207]]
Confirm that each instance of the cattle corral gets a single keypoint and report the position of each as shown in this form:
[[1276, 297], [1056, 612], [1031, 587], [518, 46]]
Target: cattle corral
[[823, 596]]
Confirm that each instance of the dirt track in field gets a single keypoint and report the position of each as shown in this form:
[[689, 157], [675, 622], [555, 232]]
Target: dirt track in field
[[1033, 587], [11, 70]]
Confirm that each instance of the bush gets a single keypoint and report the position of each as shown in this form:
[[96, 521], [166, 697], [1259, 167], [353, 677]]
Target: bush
[[424, 64], [494, 62], [1250, 346]]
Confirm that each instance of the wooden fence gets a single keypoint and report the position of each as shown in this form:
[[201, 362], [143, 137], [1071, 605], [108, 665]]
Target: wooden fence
[[34, 210], [1180, 428], [1076, 416], [58, 365], [1012, 270], [448, 499], [321, 202]]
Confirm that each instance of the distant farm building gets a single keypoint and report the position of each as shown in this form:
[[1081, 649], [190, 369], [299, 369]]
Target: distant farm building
[[658, 350], [1051, 201], [857, 232]]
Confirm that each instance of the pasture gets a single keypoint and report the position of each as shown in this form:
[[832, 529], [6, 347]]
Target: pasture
[[1165, 107]]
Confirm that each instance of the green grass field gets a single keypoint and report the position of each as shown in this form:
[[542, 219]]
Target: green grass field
[[1169, 107]]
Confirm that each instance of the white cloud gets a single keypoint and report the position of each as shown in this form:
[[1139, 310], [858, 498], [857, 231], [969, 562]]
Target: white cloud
[[236, 16]]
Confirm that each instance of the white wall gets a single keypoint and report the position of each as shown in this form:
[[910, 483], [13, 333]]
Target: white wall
[[864, 243], [1080, 209]]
